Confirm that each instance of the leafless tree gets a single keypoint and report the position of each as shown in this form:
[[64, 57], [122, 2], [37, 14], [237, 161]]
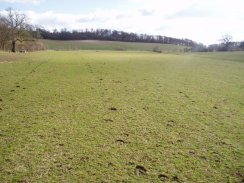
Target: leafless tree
[[226, 41], [16, 23], [4, 34]]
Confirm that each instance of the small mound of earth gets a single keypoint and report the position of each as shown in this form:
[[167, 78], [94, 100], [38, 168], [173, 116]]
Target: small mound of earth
[[176, 178], [140, 170], [163, 177], [113, 109], [117, 81], [108, 120], [120, 141]]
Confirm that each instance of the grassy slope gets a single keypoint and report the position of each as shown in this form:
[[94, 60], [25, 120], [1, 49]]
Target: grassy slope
[[109, 45], [181, 117]]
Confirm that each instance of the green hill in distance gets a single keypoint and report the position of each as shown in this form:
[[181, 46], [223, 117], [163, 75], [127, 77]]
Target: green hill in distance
[[110, 45]]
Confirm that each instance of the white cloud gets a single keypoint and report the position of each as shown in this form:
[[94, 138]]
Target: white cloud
[[147, 12], [21, 1]]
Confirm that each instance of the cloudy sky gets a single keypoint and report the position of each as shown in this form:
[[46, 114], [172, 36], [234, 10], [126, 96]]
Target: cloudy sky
[[203, 21]]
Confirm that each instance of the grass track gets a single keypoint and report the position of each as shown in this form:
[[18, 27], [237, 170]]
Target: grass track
[[178, 118]]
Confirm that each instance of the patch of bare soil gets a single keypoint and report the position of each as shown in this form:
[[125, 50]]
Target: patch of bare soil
[[163, 177], [140, 170]]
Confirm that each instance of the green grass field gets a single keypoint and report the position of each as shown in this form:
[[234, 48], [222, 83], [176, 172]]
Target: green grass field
[[109, 45], [106, 116]]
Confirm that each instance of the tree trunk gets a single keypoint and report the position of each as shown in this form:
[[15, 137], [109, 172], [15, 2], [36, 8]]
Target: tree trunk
[[13, 46]]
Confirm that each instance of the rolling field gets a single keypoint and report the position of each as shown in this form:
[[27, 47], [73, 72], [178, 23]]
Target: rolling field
[[106, 116], [109, 45]]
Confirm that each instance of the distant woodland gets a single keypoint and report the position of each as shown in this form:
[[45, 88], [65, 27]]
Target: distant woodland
[[112, 35]]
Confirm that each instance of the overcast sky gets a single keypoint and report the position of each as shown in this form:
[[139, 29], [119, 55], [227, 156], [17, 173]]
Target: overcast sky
[[203, 21]]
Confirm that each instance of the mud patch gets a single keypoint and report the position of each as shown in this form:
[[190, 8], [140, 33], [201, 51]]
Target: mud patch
[[203, 158], [108, 120], [192, 153], [85, 158], [140, 170], [114, 81], [163, 177], [240, 174], [131, 163], [175, 178], [170, 123], [113, 108], [110, 164], [120, 142]]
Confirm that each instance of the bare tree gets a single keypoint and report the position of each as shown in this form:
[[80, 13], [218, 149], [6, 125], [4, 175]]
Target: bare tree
[[4, 34], [226, 41], [16, 23], [242, 45]]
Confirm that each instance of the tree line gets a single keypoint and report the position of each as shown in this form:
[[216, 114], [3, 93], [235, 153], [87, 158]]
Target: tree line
[[226, 43], [112, 35]]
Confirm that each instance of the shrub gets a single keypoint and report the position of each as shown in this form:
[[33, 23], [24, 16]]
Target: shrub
[[156, 49]]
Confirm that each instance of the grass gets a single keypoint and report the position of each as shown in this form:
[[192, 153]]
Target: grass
[[87, 116], [110, 45]]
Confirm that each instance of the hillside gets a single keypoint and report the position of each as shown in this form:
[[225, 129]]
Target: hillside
[[110, 45]]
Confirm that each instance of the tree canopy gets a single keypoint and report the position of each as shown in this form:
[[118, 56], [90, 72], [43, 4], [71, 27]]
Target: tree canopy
[[14, 27]]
